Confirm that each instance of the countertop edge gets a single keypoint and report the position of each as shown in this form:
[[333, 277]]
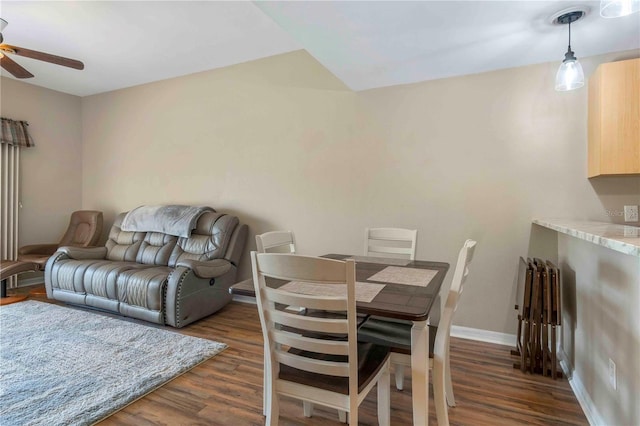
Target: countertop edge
[[593, 232]]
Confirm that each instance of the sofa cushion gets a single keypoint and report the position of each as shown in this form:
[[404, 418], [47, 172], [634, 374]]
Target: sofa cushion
[[143, 287], [100, 278], [208, 241], [123, 245], [156, 248]]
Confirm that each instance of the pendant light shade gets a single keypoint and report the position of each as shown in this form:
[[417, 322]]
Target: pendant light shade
[[570, 75], [618, 8]]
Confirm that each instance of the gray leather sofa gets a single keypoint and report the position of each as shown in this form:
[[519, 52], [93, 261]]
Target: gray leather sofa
[[153, 276]]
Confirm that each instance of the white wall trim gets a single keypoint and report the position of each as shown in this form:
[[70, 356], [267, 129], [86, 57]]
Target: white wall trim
[[30, 281], [483, 335], [244, 299], [588, 407]]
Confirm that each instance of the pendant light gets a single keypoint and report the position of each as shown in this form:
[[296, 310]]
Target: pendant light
[[618, 8], [570, 75]]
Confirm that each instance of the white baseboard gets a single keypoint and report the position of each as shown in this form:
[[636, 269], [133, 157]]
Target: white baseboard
[[30, 281], [588, 407], [483, 335], [244, 299]]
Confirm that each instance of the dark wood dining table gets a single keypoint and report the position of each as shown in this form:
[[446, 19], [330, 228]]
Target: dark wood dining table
[[400, 301]]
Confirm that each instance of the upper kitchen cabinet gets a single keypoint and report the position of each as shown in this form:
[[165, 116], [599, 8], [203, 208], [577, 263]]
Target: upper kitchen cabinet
[[614, 119]]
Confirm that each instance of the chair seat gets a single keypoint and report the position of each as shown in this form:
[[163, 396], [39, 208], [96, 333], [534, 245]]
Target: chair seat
[[395, 334], [371, 358]]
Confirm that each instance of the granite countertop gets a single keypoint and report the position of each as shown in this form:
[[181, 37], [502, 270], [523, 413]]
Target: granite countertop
[[622, 238]]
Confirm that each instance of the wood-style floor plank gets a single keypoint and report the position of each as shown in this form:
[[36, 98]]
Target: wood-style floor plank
[[227, 389]]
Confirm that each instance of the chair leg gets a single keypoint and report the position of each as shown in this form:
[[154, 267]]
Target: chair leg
[[273, 412], [265, 383], [384, 398], [353, 412], [399, 373], [307, 407], [448, 384], [342, 416], [439, 392]]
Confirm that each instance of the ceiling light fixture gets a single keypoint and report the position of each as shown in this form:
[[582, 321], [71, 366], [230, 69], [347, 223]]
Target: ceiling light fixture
[[570, 75], [618, 8]]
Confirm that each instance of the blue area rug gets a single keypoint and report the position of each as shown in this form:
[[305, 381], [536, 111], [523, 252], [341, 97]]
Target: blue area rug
[[62, 366]]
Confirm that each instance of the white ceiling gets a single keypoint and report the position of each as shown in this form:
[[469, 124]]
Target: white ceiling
[[365, 44]]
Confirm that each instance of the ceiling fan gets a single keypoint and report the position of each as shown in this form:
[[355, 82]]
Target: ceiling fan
[[17, 70]]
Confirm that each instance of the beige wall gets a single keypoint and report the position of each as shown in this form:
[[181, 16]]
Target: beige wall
[[51, 172], [284, 145], [478, 157]]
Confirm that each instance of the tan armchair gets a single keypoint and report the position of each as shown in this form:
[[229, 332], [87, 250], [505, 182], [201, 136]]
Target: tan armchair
[[84, 230]]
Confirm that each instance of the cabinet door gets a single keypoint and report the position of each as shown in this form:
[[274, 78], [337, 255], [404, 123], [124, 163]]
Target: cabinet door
[[614, 119]]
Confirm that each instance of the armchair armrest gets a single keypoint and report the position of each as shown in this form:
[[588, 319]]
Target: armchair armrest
[[80, 253], [39, 249], [206, 269]]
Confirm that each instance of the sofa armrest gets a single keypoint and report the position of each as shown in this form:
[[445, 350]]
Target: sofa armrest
[[206, 269], [40, 249], [80, 253]]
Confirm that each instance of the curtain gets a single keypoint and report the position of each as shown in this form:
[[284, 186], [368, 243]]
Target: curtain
[[9, 204], [16, 133]]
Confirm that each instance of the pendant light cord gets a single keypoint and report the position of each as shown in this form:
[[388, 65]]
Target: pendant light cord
[[569, 34]]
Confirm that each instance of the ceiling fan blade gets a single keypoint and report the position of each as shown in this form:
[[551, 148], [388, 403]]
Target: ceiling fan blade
[[13, 67], [41, 56]]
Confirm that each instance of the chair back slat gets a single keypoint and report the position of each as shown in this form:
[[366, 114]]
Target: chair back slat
[[280, 241], [302, 268], [311, 302], [394, 241], [302, 322], [330, 368], [332, 347], [390, 250]]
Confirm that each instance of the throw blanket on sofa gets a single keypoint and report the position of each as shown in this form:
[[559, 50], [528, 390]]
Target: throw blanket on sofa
[[173, 220]]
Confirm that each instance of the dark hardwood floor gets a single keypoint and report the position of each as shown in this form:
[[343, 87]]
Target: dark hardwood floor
[[227, 389]]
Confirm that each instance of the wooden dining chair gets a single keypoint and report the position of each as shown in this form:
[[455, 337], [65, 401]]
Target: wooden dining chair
[[305, 364], [394, 241], [276, 241], [397, 335]]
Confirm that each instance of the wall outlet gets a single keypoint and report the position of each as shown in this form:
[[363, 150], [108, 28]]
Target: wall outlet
[[631, 231], [612, 374], [630, 213]]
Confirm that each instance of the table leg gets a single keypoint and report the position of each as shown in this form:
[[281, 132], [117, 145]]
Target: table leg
[[420, 372]]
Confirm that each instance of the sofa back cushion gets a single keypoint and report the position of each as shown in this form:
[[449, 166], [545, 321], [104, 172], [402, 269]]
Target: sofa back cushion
[[122, 245], [156, 248], [209, 240]]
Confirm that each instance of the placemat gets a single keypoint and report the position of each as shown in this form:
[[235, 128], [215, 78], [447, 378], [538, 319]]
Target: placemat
[[365, 292], [408, 276]]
